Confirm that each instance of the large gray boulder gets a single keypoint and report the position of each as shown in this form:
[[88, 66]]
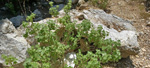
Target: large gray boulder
[[69, 59], [11, 43], [111, 21]]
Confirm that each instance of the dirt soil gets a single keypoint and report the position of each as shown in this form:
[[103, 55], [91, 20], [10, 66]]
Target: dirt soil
[[134, 10]]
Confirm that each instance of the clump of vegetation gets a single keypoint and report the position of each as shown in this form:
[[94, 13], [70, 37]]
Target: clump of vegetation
[[9, 60], [99, 3], [55, 41]]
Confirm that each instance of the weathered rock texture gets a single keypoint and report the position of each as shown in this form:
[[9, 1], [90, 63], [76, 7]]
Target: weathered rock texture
[[11, 43]]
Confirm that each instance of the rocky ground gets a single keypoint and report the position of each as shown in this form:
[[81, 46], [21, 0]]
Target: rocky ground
[[134, 10]]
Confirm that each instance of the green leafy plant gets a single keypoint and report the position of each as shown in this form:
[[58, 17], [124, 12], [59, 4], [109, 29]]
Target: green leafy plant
[[94, 48], [55, 41], [53, 10], [9, 60]]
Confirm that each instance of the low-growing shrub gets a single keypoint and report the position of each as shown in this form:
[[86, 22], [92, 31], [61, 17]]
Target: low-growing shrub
[[55, 41], [9, 60]]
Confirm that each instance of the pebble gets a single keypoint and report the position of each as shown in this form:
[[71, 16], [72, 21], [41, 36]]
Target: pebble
[[142, 3], [140, 33], [137, 56], [143, 49], [148, 23]]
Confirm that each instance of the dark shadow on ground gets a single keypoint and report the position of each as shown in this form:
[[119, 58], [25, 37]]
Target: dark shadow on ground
[[122, 63], [125, 63]]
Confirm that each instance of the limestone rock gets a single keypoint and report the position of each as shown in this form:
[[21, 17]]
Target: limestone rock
[[129, 44], [6, 26], [11, 43], [69, 59], [99, 16], [148, 23]]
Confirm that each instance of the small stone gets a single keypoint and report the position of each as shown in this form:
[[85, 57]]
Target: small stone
[[81, 17], [142, 3], [148, 24], [142, 19], [143, 49], [137, 56], [148, 58]]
